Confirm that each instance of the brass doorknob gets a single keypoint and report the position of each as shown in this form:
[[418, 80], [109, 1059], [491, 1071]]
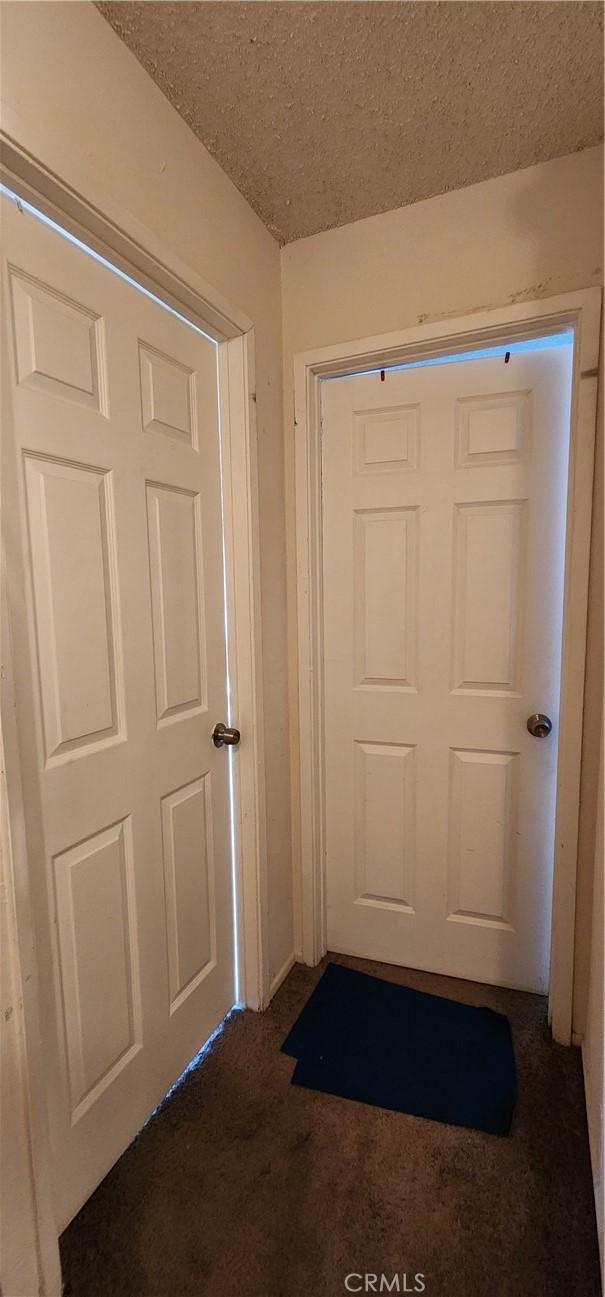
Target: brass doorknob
[[225, 736], [539, 725]]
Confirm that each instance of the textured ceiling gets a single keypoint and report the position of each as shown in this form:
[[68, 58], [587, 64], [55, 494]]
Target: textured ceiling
[[324, 113]]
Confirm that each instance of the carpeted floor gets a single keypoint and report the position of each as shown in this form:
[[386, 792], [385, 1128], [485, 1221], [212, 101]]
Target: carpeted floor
[[246, 1186]]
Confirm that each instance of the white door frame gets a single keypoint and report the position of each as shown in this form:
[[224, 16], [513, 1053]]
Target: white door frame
[[580, 311], [118, 237]]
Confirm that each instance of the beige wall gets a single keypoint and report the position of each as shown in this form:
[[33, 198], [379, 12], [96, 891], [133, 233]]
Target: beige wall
[[76, 98], [594, 1045], [531, 234], [589, 989]]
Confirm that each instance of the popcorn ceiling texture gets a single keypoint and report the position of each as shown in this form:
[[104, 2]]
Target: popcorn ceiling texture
[[325, 113]]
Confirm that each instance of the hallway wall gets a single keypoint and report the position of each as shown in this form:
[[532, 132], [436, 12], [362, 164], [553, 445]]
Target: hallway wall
[[531, 234], [76, 98]]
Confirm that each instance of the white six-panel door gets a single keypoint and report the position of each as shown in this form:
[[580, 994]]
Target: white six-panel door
[[112, 495], [444, 492]]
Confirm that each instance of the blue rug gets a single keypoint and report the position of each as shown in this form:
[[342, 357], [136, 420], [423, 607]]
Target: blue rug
[[387, 1045]]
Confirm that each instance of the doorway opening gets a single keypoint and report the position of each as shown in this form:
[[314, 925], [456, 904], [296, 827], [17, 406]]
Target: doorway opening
[[379, 459], [561, 338], [444, 486]]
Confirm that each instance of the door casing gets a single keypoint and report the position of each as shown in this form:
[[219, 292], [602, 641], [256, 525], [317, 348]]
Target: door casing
[[118, 238], [581, 312]]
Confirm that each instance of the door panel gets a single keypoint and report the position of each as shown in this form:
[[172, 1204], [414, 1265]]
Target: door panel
[[174, 527], [58, 343], [73, 572], [189, 884], [483, 809], [385, 802], [489, 554], [96, 916], [385, 596], [114, 530], [444, 495]]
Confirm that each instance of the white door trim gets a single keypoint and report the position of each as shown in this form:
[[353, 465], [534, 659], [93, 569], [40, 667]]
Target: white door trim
[[244, 646], [120, 237], [27, 1180], [135, 250], [581, 311]]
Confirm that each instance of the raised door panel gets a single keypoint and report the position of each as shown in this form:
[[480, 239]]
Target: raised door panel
[[385, 578], [492, 430], [189, 886], [59, 343], [98, 961], [385, 827], [489, 568], [482, 836], [73, 555], [386, 441], [168, 396], [175, 558]]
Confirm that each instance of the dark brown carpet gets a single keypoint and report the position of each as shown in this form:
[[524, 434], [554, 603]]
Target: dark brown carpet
[[246, 1186]]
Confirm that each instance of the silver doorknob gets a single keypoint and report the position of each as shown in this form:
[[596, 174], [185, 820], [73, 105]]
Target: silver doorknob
[[225, 736], [539, 725]]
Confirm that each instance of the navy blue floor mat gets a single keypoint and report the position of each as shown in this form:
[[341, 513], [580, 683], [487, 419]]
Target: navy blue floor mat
[[390, 1046]]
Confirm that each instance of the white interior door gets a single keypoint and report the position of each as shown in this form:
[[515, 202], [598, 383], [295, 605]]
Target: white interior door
[[444, 496], [112, 499]]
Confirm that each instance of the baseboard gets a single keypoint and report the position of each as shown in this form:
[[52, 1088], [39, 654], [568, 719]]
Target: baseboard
[[281, 976]]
